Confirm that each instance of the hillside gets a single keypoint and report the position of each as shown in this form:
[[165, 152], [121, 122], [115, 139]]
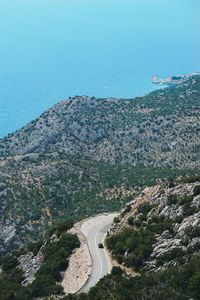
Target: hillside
[[158, 129], [35, 270], [154, 134], [161, 228], [38, 190], [157, 235], [85, 156]]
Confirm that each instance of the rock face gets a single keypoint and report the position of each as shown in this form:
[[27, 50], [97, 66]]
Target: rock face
[[178, 204], [30, 264], [8, 238], [159, 129]]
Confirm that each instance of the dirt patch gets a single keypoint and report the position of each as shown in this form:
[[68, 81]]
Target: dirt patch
[[78, 271]]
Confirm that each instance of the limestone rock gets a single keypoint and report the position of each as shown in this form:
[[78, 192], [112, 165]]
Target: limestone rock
[[30, 264]]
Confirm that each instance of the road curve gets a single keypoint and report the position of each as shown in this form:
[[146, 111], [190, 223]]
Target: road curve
[[95, 230]]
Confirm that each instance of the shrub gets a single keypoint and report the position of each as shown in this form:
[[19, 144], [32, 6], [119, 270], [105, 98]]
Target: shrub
[[185, 199], [116, 220], [172, 199], [196, 190], [175, 253], [130, 221], [158, 224], [188, 210], [178, 219], [191, 179], [9, 262], [34, 247], [116, 271], [171, 183], [145, 208], [193, 232], [138, 242], [61, 227]]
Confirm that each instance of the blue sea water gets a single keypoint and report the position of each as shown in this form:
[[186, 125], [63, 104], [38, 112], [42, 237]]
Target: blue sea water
[[52, 49]]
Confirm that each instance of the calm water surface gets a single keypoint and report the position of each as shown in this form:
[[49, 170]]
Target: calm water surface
[[52, 49]]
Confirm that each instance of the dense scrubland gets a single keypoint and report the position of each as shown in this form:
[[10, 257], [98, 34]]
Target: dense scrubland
[[37, 191], [85, 156]]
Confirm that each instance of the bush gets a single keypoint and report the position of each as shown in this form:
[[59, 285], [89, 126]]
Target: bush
[[188, 210], [61, 227], [130, 221], [171, 183], [145, 208], [158, 224], [56, 254], [139, 245], [194, 286], [175, 253], [185, 199], [193, 232], [116, 271], [172, 199], [9, 262], [178, 219], [196, 190], [191, 179], [34, 247], [116, 220]]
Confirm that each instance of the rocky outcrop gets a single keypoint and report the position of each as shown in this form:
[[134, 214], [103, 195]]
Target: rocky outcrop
[[193, 220], [30, 264], [8, 238], [176, 204], [147, 194]]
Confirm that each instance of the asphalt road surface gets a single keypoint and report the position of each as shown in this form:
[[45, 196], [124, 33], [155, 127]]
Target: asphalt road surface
[[95, 230]]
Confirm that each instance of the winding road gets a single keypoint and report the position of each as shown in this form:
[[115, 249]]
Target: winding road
[[95, 230]]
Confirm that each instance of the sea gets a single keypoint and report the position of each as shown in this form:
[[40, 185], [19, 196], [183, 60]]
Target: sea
[[53, 49]]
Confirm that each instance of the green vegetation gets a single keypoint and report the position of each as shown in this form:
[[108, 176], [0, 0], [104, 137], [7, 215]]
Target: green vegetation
[[56, 254], [175, 253], [158, 224], [143, 209], [196, 190], [177, 283], [61, 227], [34, 247], [136, 142], [60, 187], [133, 246], [190, 179], [160, 129], [9, 262], [193, 232], [185, 201]]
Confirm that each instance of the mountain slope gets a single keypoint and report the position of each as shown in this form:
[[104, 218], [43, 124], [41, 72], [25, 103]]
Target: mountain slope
[[159, 235], [37, 190], [161, 228], [159, 129], [36, 270]]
